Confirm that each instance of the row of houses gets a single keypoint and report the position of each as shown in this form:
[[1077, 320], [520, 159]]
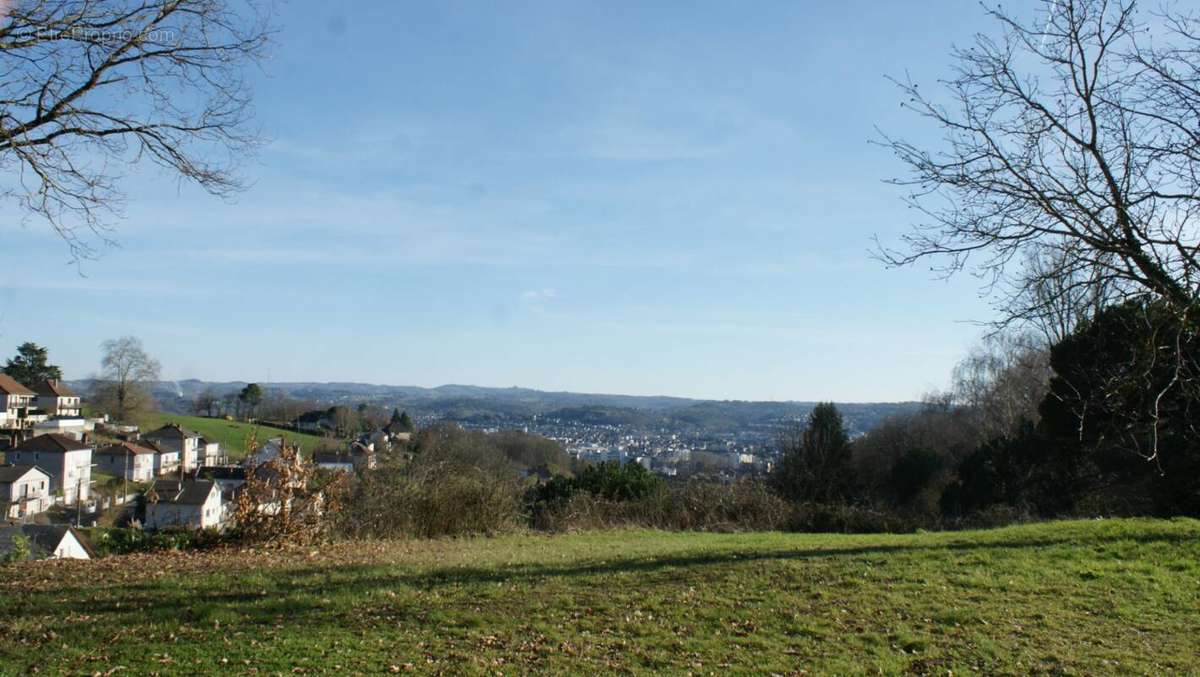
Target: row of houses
[[57, 468], [187, 486], [207, 498], [22, 408]]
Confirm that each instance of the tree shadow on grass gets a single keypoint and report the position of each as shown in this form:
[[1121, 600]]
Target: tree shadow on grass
[[297, 594]]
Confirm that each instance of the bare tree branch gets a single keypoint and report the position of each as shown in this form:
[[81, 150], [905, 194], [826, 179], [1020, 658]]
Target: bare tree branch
[[90, 87]]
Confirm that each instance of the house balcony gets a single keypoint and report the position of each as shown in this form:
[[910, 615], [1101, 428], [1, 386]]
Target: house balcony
[[29, 417]]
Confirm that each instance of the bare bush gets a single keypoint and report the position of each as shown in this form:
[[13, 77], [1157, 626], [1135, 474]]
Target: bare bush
[[287, 500], [746, 505]]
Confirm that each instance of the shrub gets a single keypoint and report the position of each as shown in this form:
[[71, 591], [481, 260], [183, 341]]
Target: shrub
[[746, 505], [459, 483], [617, 482], [852, 519], [121, 541]]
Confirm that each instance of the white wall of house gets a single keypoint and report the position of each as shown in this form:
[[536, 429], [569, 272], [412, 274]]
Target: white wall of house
[[70, 548], [166, 462], [77, 477], [70, 472], [133, 467], [210, 454], [186, 452], [190, 456], [58, 406], [28, 495], [11, 406], [209, 515]]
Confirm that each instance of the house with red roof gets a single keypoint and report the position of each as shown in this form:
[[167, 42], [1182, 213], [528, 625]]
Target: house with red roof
[[67, 461], [18, 407], [55, 399]]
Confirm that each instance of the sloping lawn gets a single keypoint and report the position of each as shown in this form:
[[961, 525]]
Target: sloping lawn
[[1103, 597], [232, 435]]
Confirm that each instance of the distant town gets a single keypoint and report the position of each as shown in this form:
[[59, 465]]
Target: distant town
[[69, 464]]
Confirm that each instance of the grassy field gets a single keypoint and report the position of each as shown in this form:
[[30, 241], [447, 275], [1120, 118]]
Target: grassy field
[[1109, 597], [231, 434]]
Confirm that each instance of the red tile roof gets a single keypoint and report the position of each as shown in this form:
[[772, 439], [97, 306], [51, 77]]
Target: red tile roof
[[54, 387], [53, 443], [9, 386], [124, 448]]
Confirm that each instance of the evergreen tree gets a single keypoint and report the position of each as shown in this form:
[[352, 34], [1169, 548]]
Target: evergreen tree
[[31, 366], [815, 463], [406, 422], [251, 396]]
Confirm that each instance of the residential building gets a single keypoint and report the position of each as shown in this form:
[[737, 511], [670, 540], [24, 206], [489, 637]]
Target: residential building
[[166, 461], [210, 452], [49, 541], [68, 462], [24, 491], [186, 504], [57, 400], [173, 437], [127, 459], [18, 410]]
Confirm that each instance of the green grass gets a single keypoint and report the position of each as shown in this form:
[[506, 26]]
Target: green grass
[[232, 435], [1085, 597]]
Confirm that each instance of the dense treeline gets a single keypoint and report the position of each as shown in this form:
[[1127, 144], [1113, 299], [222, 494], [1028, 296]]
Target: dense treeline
[[1099, 424]]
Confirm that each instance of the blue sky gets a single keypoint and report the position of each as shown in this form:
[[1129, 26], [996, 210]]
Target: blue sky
[[646, 198]]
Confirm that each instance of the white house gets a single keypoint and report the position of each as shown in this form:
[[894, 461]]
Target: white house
[[188, 504], [57, 400], [166, 461], [127, 459], [17, 409], [210, 452], [48, 541], [173, 437], [68, 462], [24, 491]]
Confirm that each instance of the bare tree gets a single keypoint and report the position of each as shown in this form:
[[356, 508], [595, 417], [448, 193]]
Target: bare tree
[[1069, 173], [1052, 299], [1002, 382], [286, 500], [89, 86], [126, 372], [1074, 139], [206, 402]]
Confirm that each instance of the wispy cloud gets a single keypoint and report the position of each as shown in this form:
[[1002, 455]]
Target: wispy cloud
[[539, 295]]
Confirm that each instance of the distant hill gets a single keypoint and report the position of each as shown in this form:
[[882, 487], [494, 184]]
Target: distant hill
[[483, 405]]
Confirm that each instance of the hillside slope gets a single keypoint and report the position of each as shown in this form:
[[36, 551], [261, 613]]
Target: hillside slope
[[1071, 597], [232, 435]]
